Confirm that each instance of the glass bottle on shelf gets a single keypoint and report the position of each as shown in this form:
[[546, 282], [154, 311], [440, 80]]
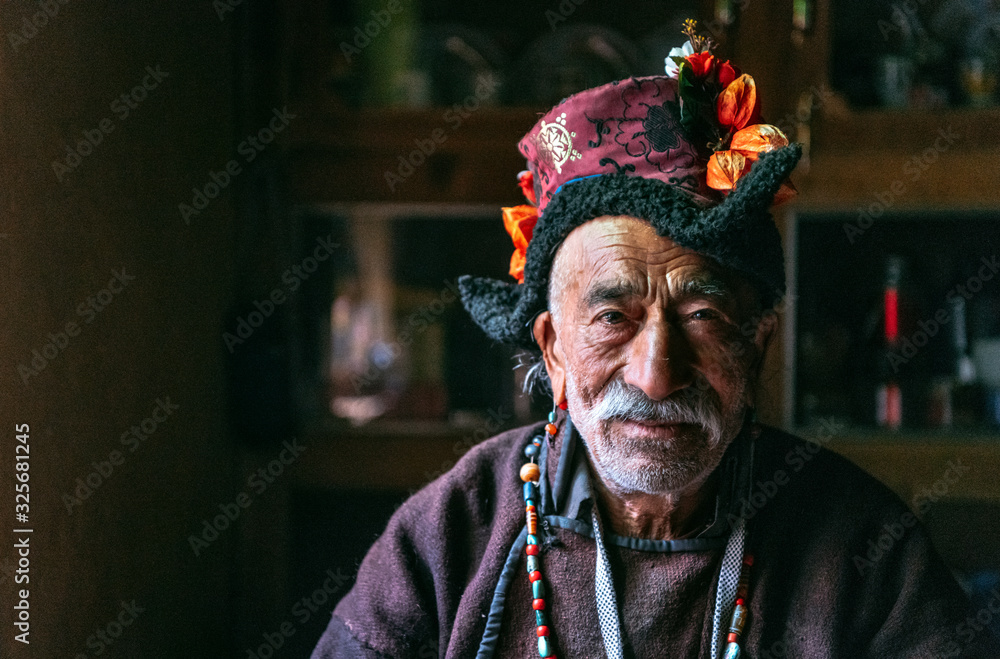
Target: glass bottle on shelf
[[895, 69], [952, 369], [888, 392], [981, 64], [967, 392]]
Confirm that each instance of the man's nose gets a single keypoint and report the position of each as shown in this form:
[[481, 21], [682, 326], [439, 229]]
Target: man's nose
[[659, 360]]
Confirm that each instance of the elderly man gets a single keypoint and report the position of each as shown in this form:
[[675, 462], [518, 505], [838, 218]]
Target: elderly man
[[624, 526]]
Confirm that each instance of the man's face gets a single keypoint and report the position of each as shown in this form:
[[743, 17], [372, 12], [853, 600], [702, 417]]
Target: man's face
[[645, 339]]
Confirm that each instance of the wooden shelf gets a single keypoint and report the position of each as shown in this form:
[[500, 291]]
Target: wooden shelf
[[345, 156], [908, 465], [907, 130], [384, 456], [399, 456], [902, 160]]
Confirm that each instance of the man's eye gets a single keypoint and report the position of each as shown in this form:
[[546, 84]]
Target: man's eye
[[612, 317], [705, 314]]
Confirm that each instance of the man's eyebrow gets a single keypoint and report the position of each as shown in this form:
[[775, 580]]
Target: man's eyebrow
[[707, 286], [602, 293]]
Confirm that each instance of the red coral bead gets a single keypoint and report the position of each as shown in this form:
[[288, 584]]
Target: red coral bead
[[551, 428], [538, 605], [739, 601], [531, 550], [543, 630], [732, 638], [534, 576]]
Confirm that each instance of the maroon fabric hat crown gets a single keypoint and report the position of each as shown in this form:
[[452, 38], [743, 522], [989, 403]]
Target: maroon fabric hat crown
[[623, 149], [626, 127]]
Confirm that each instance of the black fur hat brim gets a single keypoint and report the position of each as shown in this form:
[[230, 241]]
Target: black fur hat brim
[[739, 233]]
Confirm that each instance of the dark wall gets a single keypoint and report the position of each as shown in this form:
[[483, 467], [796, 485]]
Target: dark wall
[[157, 339]]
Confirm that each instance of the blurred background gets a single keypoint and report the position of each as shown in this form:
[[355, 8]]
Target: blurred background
[[231, 232]]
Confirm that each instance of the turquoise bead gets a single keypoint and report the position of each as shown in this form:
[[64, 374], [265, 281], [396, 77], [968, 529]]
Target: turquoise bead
[[732, 651], [532, 563], [530, 450], [552, 417], [532, 539], [529, 502], [540, 619], [537, 590], [543, 647], [530, 491]]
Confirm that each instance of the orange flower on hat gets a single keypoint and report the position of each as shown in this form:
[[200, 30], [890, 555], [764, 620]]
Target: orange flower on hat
[[726, 167], [719, 104], [737, 105], [519, 221]]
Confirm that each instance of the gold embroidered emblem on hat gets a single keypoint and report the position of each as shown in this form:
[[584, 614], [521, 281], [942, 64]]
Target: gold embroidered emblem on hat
[[555, 142]]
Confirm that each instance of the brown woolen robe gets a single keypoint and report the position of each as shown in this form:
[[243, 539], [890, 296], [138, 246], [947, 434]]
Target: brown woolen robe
[[836, 572]]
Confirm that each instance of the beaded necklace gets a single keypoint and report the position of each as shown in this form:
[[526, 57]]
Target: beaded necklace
[[530, 474]]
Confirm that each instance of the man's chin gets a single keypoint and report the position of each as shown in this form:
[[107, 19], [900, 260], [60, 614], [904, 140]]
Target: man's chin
[[643, 475], [658, 459]]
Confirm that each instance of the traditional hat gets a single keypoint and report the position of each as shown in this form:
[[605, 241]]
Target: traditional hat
[[685, 152]]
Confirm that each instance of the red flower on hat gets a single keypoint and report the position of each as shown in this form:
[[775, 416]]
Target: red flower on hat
[[707, 66], [720, 103], [726, 73], [697, 53], [526, 180], [701, 63]]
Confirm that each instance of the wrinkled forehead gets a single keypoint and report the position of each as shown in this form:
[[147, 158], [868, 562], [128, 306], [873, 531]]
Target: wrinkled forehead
[[627, 247]]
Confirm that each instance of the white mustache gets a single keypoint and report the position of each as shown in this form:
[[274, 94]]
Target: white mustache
[[689, 405]]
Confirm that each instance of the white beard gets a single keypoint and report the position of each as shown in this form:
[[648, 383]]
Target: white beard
[[631, 464]]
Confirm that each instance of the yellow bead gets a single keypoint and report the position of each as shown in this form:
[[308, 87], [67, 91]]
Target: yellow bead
[[530, 472]]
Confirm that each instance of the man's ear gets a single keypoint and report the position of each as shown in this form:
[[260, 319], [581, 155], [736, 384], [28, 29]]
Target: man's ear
[[555, 361]]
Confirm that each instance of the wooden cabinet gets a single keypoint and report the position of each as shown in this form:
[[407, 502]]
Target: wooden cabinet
[[384, 161], [440, 155], [856, 159]]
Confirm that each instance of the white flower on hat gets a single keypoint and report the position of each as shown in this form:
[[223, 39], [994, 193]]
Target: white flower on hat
[[682, 52]]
